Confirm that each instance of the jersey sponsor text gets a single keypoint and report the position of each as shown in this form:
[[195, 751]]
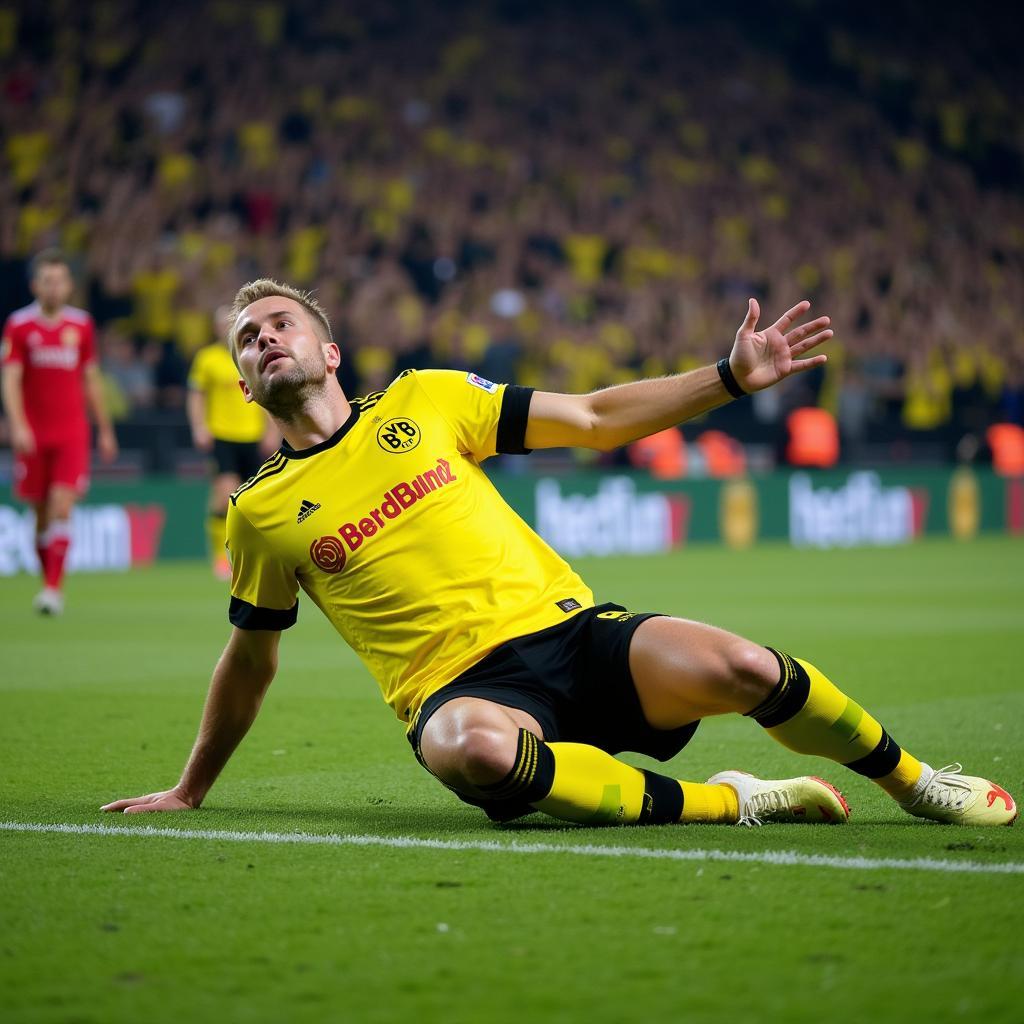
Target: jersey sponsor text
[[400, 497]]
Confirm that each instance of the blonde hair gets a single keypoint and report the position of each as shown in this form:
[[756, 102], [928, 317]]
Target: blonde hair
[[266, 287]]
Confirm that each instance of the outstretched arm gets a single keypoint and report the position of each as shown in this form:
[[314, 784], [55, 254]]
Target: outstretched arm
[[240, 681], [615, 416]]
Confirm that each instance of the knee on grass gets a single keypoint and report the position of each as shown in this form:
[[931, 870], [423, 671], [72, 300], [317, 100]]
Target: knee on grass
[[475, 756]]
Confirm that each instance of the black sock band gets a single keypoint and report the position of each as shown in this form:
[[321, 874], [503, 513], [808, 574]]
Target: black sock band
[[531, 778], [663, 800], [788, 697], [881, 761]]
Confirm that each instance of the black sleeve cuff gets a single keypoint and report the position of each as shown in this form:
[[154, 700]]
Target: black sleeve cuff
[[248, 616], [515, 411]]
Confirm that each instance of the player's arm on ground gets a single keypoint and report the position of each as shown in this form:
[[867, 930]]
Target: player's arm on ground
[[106, 439], [12, 371], [616, 416], [240, 681], [263, 602]]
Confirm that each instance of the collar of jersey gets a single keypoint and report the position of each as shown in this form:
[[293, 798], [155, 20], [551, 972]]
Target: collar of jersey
[[304, 453]]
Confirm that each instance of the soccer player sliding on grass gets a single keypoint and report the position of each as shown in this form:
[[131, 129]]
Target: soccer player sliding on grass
[[516, 690]]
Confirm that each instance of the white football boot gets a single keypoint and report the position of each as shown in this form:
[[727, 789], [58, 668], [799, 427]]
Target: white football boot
[[948, 796], [49, 601], [805, 800]]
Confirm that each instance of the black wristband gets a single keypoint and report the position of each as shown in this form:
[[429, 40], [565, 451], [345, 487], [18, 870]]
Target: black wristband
[[731, 385]]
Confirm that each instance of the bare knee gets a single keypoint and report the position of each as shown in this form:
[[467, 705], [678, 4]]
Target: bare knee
[[750, 669], [42, 518], [484, 755], [752, 663], [469, 755], [60, 505]]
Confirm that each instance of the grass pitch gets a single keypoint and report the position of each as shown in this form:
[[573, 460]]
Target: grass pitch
[[135, 927]]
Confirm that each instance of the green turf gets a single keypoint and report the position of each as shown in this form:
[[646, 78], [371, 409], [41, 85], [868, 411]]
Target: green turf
[[104, 703]]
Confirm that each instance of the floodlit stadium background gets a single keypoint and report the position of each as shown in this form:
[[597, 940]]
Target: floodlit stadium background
[[561, 200]]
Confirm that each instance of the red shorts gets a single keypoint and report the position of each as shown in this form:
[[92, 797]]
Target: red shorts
[[64, 464]]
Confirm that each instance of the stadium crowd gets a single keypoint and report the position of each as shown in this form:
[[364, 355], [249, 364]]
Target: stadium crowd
[[560, 203]]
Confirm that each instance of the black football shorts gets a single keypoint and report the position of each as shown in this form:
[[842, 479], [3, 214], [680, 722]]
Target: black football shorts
[[574, 679]]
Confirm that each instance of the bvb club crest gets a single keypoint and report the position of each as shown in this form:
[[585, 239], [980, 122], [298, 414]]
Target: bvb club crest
[[398, 434]]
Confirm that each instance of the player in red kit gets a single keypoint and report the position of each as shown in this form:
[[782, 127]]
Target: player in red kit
[[50, 376]]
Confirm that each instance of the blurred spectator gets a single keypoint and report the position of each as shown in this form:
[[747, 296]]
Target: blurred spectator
[[539, 196], [129, 377]]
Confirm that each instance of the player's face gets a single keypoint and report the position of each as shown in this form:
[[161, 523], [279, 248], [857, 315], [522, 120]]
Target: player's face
[[280, 355], [52, 285]]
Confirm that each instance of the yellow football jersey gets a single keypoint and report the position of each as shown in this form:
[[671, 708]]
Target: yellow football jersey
[[228, 416], [397, 535]]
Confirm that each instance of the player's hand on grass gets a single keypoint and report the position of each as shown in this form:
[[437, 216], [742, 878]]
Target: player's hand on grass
[[760, 359], [23, 441], [169, 800]]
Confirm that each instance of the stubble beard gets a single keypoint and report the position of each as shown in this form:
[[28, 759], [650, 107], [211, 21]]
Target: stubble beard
[[286, 395]]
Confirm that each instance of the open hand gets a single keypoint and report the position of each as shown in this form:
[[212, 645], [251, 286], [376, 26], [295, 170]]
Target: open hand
[[760, 359], [169, 800]]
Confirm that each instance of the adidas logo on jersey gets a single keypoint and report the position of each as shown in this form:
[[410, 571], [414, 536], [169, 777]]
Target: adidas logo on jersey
[[306, 509]]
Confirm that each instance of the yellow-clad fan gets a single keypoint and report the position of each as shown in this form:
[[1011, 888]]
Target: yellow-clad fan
[[236, 434], [515, 689]]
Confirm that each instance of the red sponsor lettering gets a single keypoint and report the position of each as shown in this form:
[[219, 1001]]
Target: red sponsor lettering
[[395, 501], [353, 538], [405, 494]]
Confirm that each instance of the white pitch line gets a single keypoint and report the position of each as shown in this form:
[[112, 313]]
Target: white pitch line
[[777, 858]]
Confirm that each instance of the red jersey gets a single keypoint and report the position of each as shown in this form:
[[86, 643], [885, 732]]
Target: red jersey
[[54, 355]]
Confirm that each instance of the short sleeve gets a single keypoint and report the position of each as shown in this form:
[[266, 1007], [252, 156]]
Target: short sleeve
[[89, 343], [487, 418], [197, 375], [264, 590], [12, 347]]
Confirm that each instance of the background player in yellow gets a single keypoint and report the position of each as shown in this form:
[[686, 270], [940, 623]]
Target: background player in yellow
[[235, 434], [517, 691]]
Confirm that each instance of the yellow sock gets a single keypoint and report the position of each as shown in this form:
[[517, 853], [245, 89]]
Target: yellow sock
[[216, 536], [807, 713], [581, 783], [711, 805], [592, 787], [902, 779]]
